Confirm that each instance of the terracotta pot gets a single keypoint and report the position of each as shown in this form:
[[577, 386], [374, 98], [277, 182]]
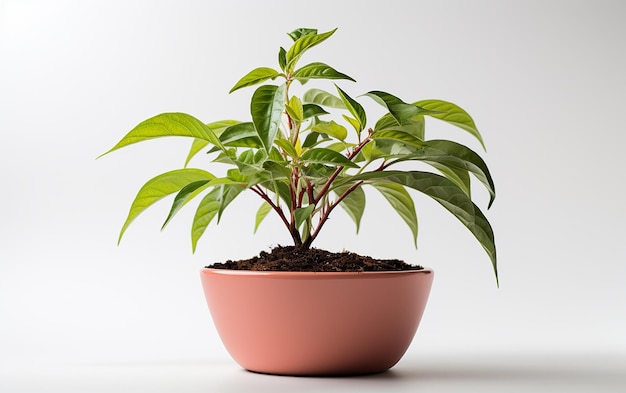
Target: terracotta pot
[[301, 323]]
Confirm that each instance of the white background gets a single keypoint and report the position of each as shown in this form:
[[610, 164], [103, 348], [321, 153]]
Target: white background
[[544, 81]]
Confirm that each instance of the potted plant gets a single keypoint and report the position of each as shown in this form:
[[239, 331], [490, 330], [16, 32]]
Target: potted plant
[[299, 310]]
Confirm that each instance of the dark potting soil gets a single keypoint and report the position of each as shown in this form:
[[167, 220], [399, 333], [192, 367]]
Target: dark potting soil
[[293, 259]]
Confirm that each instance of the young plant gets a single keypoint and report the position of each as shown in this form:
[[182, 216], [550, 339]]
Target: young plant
[[304, 161]]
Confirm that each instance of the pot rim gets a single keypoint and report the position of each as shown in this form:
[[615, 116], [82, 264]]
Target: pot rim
[[283, 274]]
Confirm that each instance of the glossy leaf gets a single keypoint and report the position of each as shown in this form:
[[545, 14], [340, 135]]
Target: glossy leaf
[[339, 147], [241, 135], [413, 126], [190, 191], [312, 110], [302, 44], [281, 189], [401, 201], [263, 211], [218, 128], [455, 155], [354, 123], [449, 195], [398, 136], [354, 108], [459, 176], [161, 186], [453, 114], [294, 109], [196, 146], [321, 155], [313, 138], [205, 213], [277, 170], [302, 214], [254, 77], [250, 162], [301, 32], [287, 147], [400, 110], [452, 159], [266, 108], [323, 98], [228, 193], [332, 129], [168, 124], [353, 204], [184, 195], [282, 58], [319, 71]]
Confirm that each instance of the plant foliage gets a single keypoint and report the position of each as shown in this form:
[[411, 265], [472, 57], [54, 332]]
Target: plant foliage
[[306, 155]]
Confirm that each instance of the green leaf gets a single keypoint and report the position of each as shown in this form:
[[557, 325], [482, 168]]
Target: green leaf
[[250, 162], [413, 126], [449, 195], [287, 147], [168, 124], [218, 128], [354, 108], [301, 32], [392, 149], [353, 203], [339, 146], [312, 110], [241, 135], [302, 214], [311, 140], [263, 211], [319, 71], [206, 211], [282, 58], [332, 129], [453, 114], [400, 110], [161, 186], [196, 146], [353, 122], [323, 98], [266, 108], [228, 193], [185, 194], [401, 201], [254, 77], [398, 136], [280, 188], [295, 110], [302, 44], [456, 157], [321, 155], [277, 170], [190, 191], [459, 176]]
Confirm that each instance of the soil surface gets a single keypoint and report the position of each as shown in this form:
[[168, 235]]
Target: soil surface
[[294, 259]]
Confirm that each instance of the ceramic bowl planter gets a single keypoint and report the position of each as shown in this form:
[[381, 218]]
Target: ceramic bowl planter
[[303, 323]]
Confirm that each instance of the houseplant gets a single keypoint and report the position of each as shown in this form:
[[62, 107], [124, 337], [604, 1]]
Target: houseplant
[[303, 160]]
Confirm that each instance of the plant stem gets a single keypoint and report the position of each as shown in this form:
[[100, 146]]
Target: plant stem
[[295, 235], [326, 214], [324, 191], [350, 156]]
